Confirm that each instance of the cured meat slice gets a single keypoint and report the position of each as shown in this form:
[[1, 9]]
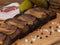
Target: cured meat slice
[[4, 39]]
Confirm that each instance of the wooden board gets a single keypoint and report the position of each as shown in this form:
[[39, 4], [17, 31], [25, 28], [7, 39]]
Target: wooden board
[[47, 38], [6, 2]]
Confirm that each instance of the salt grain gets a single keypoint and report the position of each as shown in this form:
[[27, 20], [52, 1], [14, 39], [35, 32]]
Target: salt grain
[[52, 31], [38, 37], [46, 30], [58, 30], [33, 39], [53, 23], [26, 40], [58, 26]]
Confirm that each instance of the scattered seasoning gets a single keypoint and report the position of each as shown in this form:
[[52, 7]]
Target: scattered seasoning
[[40, 37], [58, 30], [33, 39], [50, 27], [50, 32], [26, 40], [55, 30], [57, 27], [46, 36], [42, 33], [53, 23], [37, 35], [31, 42], [46, 30]]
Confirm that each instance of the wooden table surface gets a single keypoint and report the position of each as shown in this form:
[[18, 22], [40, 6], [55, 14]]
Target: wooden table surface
[[5, 2], [53, 39]]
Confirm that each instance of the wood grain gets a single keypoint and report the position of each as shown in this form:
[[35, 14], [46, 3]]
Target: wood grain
[[6, 2], [52, 39]]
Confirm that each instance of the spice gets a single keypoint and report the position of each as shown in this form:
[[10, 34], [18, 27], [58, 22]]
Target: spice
[[53, 23], [42, 33], [46, 36], [37, 35], [55, 30], [26, 40], [50, 27], [40, 37], [57, 27], [58, 30], [50, 32], [33, 39], [46, 30], [31, 42]]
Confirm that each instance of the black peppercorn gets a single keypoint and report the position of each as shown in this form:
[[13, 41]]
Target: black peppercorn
[[31, 42], [37, 35], [50, 27], [40, 37], [46, 36]]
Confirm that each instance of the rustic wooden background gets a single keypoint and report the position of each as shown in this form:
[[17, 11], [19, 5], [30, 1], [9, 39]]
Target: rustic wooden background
[[5, 2]]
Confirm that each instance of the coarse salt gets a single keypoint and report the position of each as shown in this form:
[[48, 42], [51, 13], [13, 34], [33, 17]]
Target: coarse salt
[[46, 30], [53, 31], [26, 40], [52, 23], [58, 30], [59, 26], [33, 39]]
